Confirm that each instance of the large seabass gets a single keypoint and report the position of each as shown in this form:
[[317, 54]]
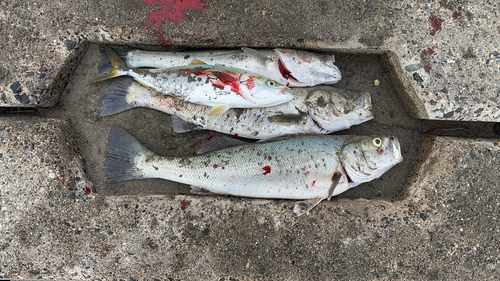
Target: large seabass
[[307, 167]]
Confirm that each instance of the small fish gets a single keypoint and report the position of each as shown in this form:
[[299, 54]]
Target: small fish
[[220, 87], [318, 110], [311, 168], [294, 68]]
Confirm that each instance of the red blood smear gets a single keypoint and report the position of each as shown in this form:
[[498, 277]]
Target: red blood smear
[[267, 170], [117, 259], [84, 161], [284, 71], [436, 25], [438, 75], [428, 52], [250, 83], [107, 248], [427, 68], [172, 197], [223, 167], [171, 10], [184, 204], [456, 15], [314, 182], [209, 137], [180, 176], [270, 158], [236, 134], [138, 200], [88, 191], [155, 247], [63, 180], [391, 114], [216, 166]]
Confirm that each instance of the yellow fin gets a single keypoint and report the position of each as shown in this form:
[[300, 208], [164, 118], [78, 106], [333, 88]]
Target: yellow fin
[[197, 62], [117, 65], [218, 110]]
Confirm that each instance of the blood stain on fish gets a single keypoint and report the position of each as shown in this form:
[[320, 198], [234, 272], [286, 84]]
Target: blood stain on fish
[[209, 137], [216, 166], [284, 71], [270, 158], [267, 170], [172, 11], [314, 182]]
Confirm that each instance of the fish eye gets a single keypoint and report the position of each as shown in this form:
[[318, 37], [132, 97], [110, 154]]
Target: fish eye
[[271, 83], [377, 142]]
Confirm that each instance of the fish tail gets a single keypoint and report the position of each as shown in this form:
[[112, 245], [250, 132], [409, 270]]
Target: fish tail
[[105, 64], [115, 99], [124, 148], [118, 66]]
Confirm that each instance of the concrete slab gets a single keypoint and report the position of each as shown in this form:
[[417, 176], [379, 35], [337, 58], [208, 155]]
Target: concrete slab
[[445, 225], [443, 55]]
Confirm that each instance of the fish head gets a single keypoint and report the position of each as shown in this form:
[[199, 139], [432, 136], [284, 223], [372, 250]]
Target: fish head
[[337, 109], [263, 91], [367, 158], [302, 69]]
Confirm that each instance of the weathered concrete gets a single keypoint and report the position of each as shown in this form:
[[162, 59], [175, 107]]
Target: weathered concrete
[[443, 54], [446, 225]]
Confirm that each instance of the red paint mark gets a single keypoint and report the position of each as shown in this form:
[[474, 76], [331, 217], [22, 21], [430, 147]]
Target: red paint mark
[[209, 137], [436, 25], [184, 204], [427, 68], [216, 166], [117, 259], [180, 176], [106, 248], [172, 11], [88, 191], [314, 182], [285, 72], [236, 134], [428, 52], [391, 114], [267, 170], [438, 75], [172, 197], [269, 158], [456, 15]]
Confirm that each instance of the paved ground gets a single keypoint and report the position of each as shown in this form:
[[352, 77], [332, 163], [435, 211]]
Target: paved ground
[[436, 60]]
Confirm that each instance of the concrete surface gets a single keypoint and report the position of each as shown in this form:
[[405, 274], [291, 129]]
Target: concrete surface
[[444, 227], [443, 54], [441, 222]]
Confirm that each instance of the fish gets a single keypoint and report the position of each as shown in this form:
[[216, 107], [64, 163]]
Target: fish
[[316, 110], [305, 168], [219, 87], [290, 67]]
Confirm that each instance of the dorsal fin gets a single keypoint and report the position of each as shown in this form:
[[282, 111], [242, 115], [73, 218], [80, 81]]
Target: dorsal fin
[[216, 143]]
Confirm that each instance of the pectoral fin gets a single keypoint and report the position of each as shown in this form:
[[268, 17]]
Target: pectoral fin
[[218, 110], [288, 119], [335, 181], [262, 59], [303, 207], [197, 62]]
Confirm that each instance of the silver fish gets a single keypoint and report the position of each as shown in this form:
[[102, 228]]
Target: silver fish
[[294, 68], [318, 110], [217, 86], [307, 167]]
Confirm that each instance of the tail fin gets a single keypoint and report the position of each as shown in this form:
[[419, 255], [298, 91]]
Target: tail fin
[[105, 64], [117, 65], [123, 148], [115, 99]]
